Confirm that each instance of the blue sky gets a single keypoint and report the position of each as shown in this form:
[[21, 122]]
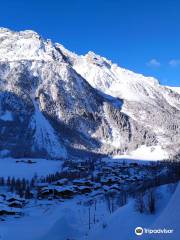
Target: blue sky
[[141, 35]]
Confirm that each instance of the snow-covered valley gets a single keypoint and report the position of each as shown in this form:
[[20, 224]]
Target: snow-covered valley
[[88, 150], [51, 200]]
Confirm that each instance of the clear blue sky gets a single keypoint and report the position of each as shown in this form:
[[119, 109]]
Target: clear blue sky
[[141, 35]]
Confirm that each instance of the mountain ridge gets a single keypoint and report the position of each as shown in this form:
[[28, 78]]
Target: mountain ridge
[[83, 103]]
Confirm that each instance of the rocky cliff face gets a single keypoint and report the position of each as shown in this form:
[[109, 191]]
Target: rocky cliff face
[[54, 103]]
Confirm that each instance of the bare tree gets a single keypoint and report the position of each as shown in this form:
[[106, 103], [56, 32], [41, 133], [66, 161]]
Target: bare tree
[[151, 201], [139, 202]]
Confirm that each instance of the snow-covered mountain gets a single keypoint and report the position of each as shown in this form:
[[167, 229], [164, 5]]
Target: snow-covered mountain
[[54, 103], [176, 89]]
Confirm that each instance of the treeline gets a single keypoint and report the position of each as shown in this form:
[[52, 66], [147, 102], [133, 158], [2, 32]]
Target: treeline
[[21, 187]]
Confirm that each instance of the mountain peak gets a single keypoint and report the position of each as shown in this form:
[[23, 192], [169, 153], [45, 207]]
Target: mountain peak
[[25, 45], [23, 32], [92, 57]]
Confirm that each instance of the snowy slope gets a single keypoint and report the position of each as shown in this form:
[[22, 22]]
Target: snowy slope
[[144, 99], [69, 220], [113, 80], [170, 217], [44, 136], [124, 221]]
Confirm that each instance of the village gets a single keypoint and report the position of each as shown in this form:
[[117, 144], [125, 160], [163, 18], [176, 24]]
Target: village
[[88, 178]]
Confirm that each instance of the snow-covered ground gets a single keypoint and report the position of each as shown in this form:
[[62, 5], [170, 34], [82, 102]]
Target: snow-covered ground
[[144, 153], [69, 219], [20, 168], [58, 220], [51, 220], [170, 218], [123, 222]]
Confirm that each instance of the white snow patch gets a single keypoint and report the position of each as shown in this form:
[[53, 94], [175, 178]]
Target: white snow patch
[[144, 153], [7, 116], [45, 137]]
